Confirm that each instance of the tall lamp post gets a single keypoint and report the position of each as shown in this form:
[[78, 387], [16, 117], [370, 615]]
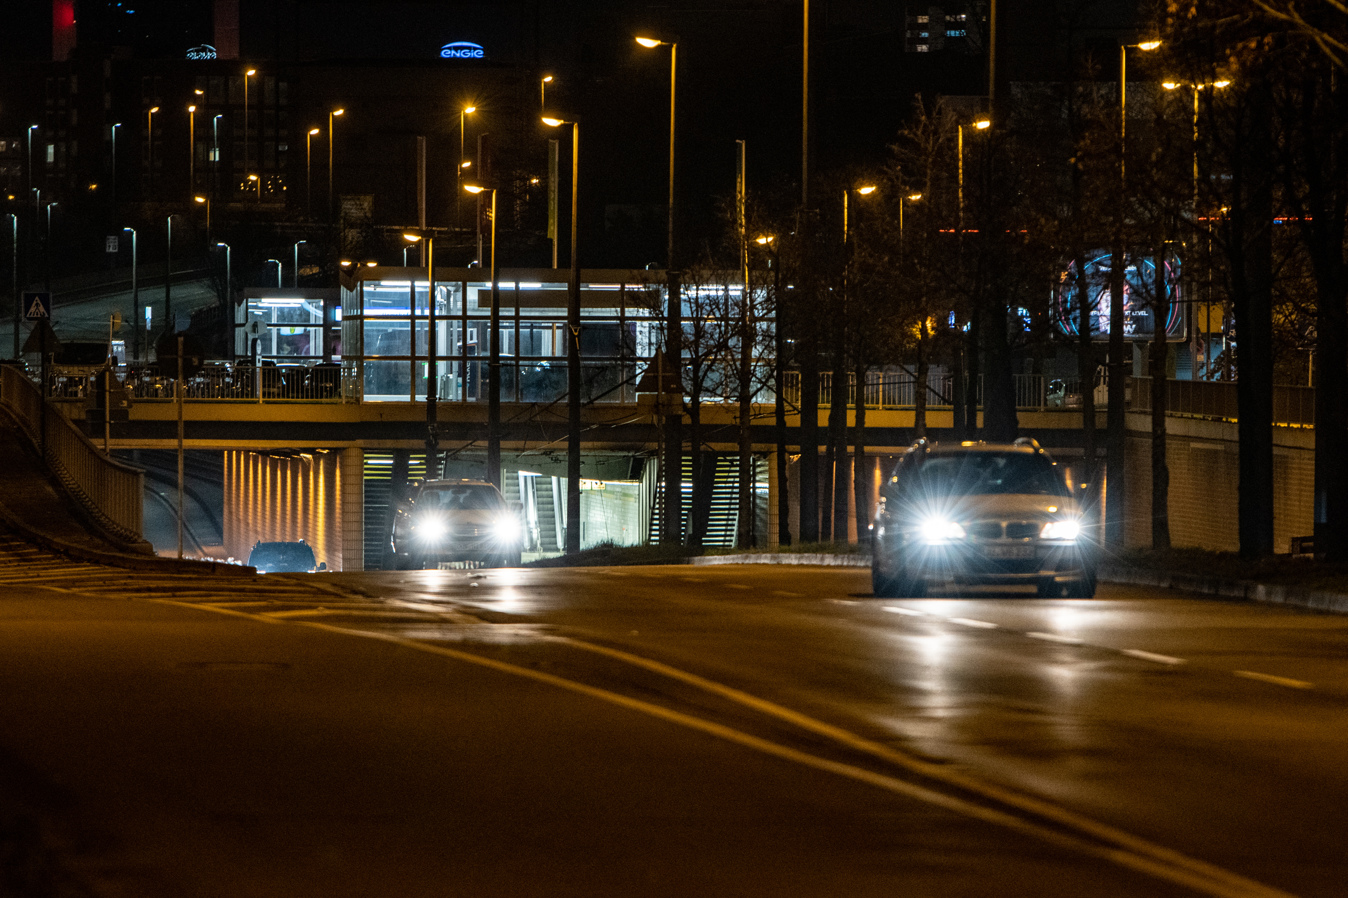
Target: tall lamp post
[[297, 262], [432, 351], [458, 206], [331, 115], [31, 129], [149, 142], [277, 263], [229, 291], [247, 148], [1118, 364], [168, 282], [215, 153], [135, 299], [47, 247], [965, 399], [204, 200], [192, 148], [672, 532], [543, 92], [494, 354], [572, 355], [113, 174], [14, 276], [309, 172]]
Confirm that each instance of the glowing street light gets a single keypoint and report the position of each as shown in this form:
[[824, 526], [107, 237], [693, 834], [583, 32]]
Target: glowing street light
[[463, 164], [542, 92], [331, 115], [309, 171]]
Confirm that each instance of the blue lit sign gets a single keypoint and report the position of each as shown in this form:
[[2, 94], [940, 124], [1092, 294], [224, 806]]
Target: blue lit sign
[[1139, 285], [203, 51], [462, 50]]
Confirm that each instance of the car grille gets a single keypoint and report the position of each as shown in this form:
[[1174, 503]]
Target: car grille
[[1004, 529]]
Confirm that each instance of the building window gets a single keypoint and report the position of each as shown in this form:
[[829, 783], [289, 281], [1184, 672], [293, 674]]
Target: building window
[[51, 153]]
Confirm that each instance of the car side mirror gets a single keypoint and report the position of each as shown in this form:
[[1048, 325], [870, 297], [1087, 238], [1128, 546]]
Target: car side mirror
[[322, 566]]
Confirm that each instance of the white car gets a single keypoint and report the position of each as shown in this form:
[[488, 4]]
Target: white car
[[464, 522], [987, 514]]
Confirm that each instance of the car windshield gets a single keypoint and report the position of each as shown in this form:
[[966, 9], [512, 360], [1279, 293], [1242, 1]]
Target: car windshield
[[467, 497], [275, 557], [986, 473]]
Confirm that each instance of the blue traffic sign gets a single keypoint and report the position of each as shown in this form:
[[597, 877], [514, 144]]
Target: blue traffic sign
[[36, 305]]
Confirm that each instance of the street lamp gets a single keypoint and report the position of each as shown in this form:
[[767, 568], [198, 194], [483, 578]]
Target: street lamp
[[331, 115], [542, 92], [980, 125], [113, 131], [31, 129], [432, 351], [168, 282], [215, 152], [247, 155], [229, 286], [206, 201], [277, 263], [673, 321], [494, 353], [458, 207], [297, 261], [47, 248], [191, 148], [14, 276], [149, 140], [309, 172], [135, 299], [910, 198], [257, 182], [572, 354]]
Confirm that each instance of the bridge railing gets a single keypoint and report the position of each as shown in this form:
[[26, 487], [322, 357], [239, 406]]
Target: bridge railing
[[1217, 400], [113, 493]]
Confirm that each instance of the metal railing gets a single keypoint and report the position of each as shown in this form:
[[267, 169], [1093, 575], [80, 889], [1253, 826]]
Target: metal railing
[[221, 381], [898, 390], [1217, 400], [111, 492]]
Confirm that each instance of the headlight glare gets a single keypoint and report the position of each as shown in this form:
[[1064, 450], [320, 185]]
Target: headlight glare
[[939, 530], [1065, 530], [430, 529], [506, 530]]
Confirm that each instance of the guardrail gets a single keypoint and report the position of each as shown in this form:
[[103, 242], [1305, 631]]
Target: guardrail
[[222, 382], [1217, 401], [111, 492], [898, 390]]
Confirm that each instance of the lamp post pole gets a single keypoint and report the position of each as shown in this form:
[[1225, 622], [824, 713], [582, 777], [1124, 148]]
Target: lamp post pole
[[14, 276], [277, 263], [672, 531], [297, 262], [31, 129], [494, 353], [192, 148], [149, 140], [229, 298], [47, 248], [572, 356], [215, 154], [135, 299], [113, 173], [205, 201], [331, 115], [309, 172], [458, 171], [542, 92], [247, 149], [168, 282]]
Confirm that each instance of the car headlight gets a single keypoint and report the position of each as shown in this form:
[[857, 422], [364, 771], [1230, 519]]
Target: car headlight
[[430, 529], [939, 530], [1065, 530], [506, 530]]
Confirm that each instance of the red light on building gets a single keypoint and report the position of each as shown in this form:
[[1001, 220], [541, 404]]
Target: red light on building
[[62, 29]]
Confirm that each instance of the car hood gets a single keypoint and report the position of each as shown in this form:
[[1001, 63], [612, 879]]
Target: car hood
[[1010, 506]]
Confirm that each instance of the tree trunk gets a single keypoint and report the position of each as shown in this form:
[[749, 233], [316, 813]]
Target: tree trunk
[[837, 420], [809, 441], [1085, 373], [1119, 362], [1000, 423], [920, 387]]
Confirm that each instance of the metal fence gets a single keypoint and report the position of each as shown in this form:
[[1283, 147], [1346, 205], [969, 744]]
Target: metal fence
[[1218, 401], [112, 493], [898, 390], [222, 381]]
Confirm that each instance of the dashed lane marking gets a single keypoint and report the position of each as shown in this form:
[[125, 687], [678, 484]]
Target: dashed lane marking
[[1054, 637], [1152, 656], [1276, 681], [898, 609], [970, 622]]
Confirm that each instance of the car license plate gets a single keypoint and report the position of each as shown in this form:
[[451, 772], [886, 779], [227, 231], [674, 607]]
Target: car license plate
[[1008, 551]]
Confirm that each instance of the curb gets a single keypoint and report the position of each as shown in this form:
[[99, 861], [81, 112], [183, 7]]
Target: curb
[[785, 558]]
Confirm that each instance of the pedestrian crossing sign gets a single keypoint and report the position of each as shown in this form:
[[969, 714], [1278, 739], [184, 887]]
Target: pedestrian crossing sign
[[37, 305]]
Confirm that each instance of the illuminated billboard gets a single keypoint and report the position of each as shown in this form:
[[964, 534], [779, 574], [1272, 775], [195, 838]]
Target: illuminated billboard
[[1139, 287]]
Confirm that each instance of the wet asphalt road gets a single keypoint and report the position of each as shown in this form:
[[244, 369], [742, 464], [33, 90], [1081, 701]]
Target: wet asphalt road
[[721, 730]]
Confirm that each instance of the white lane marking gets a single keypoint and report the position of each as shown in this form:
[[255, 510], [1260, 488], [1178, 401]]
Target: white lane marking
[[970, 622], [1276, 681], [782, 592], [1152, 656], [1053, 637], [1121, 847], [911, 612]]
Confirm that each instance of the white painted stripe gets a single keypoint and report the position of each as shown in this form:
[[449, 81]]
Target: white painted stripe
[[969, 622], [1152, 656], [1054, 637], [782, 592], [1276, 681], [911, 612]]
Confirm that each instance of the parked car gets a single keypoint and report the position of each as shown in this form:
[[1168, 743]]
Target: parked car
[[278, 557], [457, 521], [1000, 514]]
